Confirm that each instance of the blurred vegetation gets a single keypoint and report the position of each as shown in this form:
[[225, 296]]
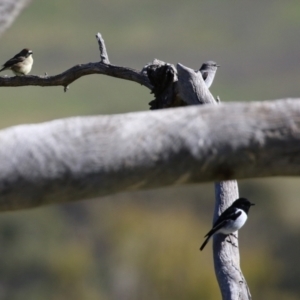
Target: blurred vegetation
[[144, 245]]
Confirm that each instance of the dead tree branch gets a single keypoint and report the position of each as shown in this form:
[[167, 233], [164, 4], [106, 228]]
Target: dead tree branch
[[80, 158], [231, 280], [67, 77], [233, 285], [102, 48]]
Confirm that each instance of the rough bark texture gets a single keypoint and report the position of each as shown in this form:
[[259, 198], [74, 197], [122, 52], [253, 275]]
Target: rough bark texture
[[79, 158], [226, 252], [192, 88], [102, 48], [67, 77], [193, 91], [72, 74]]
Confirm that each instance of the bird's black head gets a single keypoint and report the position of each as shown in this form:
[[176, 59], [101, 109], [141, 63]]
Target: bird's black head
[[242, 203], [25, 52], [209, 65]]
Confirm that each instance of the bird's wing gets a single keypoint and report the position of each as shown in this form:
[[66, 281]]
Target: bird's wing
[[229, 214], [13, 61], [204, 75]]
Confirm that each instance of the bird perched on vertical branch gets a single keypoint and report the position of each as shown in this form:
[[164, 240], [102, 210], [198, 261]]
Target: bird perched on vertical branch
[[231, 220], [20, 64]]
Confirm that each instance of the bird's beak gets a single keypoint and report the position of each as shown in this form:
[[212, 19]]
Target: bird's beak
[[218, 66], [252, 204]]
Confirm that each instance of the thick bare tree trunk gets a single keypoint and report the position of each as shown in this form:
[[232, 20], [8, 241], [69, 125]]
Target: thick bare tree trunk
[[84, 157]]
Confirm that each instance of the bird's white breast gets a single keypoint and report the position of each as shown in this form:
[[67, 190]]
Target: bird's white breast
[[24, 67], [234, 225], [27, 65]]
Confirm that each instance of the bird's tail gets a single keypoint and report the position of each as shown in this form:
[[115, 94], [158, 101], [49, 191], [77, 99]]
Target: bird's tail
[[2, 69], [205, 242]]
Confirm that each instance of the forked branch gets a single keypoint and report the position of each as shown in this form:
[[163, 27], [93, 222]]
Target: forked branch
[[67, 77]]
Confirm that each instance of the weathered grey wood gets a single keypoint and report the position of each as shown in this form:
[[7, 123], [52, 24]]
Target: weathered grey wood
[[163, 77], [67, 77], [102, 48], [84, 157], [74, 73], [231, 280], [193, 90]]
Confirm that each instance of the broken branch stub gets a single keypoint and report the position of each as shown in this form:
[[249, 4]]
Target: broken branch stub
[[175, 87]]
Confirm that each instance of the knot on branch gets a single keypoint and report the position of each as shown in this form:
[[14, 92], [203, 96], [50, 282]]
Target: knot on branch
[[163, 78], [176, 86]]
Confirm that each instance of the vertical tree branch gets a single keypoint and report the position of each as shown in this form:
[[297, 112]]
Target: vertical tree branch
[[193, 90], [103, 53], [226, 248]]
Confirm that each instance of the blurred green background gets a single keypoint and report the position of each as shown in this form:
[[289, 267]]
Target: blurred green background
[[144, 245]]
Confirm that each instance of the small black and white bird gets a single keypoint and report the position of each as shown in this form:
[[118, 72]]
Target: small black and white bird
[[208, 71], [231, 220], [21, 63]]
